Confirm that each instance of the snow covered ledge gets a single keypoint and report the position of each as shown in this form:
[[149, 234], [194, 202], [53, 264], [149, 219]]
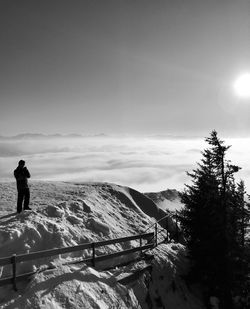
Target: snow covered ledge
[[79, 286]]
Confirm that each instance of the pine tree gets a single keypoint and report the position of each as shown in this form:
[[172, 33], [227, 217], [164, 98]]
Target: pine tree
[[199, 216], [213, 221], [241, 252]]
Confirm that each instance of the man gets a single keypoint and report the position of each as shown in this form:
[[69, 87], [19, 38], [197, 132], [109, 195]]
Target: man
[[22, 174]]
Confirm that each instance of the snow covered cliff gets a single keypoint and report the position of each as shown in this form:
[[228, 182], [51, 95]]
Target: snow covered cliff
[[66, 214]]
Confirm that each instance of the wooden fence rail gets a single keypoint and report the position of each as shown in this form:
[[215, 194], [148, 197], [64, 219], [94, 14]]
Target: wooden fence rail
[[14, 259]]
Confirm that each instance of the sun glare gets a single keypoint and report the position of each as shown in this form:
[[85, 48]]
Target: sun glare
[[242, 86]]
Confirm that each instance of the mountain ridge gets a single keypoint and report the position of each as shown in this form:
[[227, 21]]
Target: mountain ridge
[[66, 214]]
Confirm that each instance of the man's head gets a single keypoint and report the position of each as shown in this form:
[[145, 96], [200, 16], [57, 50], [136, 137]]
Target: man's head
[[21, 163]]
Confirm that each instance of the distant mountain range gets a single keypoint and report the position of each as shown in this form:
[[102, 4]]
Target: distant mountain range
[[26, 136], [176, 137]]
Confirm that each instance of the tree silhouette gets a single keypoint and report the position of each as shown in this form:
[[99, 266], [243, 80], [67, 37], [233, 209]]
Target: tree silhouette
[[214, 222]]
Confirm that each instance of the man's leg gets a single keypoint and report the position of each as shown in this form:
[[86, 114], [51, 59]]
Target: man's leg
[[20, 197], [26, 198]]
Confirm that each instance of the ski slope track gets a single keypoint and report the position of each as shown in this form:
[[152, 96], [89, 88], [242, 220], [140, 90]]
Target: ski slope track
[[68, 214]]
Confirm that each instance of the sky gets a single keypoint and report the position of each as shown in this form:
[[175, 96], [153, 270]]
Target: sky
[[123, 67], [155, 77]]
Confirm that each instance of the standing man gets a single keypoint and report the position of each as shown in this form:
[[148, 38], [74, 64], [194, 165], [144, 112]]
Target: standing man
[[22, 174]]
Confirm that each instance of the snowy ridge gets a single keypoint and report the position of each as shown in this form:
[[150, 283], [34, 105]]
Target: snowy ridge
[[167, 200], [69, 214]]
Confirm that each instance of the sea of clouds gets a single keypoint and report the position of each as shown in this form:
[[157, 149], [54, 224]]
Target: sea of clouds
[[152, 163]]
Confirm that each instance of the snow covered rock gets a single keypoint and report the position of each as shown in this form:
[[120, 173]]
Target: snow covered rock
[[54, 211], [62, 205], [86, 208], [79, 205], [98, 226], [73, 219], [71, 287], [167, 289], [75, 206]]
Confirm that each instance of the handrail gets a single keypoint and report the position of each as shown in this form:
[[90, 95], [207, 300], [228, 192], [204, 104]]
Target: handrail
[[157, 232], [155, 223], [167, 216], [51, 252], [14, 259], [87, 261]]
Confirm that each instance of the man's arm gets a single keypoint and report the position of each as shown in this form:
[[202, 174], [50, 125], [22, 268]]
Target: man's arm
[[27, 173]]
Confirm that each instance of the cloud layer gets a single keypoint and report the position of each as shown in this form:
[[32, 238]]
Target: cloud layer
[[144, 163]]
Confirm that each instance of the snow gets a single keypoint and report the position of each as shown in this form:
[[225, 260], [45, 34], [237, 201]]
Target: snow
[[71, 287], [170, 205], [67, 214], [168, 200], [167, 287]]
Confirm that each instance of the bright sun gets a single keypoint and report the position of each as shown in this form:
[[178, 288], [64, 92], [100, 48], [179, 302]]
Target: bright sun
[[242, 86]]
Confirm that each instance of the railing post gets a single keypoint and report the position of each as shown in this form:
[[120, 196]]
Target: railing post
[[93, 254], [167, 238], [140, 239], [167, 229], [176, 226], [156, 232], [13, 261]]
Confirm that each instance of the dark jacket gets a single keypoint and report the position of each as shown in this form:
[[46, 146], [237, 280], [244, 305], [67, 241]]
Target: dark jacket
[[21, 174]]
